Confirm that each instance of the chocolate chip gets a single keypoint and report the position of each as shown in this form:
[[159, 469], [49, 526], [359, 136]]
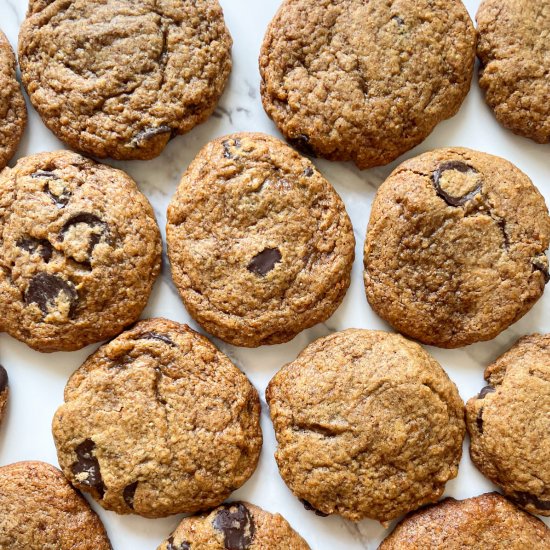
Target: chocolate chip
[[128, 494], [40, 246], [479, 420], [523, 499], [3, 379], [44, 289], [157, 336], [301, 143], [308, 172], [458, 166], [88, 464], [484, 391], [399, 20], [237, 525], [141, 137], [88, 219], [540, 263], [59, 199], [181, 546], [265, 261], [310, 508], [228, 144]]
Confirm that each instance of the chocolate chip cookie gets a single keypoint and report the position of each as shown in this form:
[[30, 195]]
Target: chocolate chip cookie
[[368, 425], [158, 422], [119, 78], [509, 424], [235, 526], [513, 48], [486, 521], [79, 251], [260, 244], [41, 511], [4, 390], [365, 81], [13, 112], [455, 248]]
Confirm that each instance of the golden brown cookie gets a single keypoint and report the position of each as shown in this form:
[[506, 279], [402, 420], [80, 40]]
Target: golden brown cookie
[[13, 112], [79, 251], [455, 248], [41, 511], [260, 244], [509, 424], [158, 422], [485, 522], [235, 526], [365, 81], [119, 78], [368, 425], [4, 391], [514, 51]]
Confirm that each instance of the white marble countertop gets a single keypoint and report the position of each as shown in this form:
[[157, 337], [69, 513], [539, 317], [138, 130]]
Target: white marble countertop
[[37, 380]]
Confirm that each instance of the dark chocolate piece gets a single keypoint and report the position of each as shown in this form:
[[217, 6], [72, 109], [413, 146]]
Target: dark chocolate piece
[[459, 166], [44, 289], [237, 525], [87, 463], [265, 261]]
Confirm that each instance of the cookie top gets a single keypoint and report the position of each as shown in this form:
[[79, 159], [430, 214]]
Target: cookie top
[[365, 81], [486, 521], [455, 248], [509, 423], [41, 511], [79, 251], [234, 526], [513, 47], [260, 244], [339, 463], [4, 390], [158, 422], [119, 78], [13, 112]]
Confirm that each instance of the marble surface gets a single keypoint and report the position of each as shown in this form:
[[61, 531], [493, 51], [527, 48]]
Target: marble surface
[[37, 380]]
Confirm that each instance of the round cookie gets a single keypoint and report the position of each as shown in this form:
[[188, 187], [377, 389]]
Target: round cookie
[[4, 391], [237, 525], [486, 521], [513, 38], [509, 424], [260, 244], [368, 425], [158, 422], [13, 112], [455, 248], [79, 253], [41, 511], [119, 78], [365, 81]]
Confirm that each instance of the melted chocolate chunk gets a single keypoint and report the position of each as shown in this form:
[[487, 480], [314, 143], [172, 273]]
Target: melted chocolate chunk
[[40, 246], [310, 508], [237, 525], [227, 145], [141, 137], [459, 167], [479, 420], [44, 289], [308, 172], [540, 265], [399, 20], [265, 261], [89, 219], [301, 143], [159, 337], [523, 499], [128, 494], [59, 200], [181, 546], [484, 391], [88, 464], [3, 379]]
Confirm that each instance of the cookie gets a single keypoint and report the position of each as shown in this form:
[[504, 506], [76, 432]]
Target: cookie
[[455, 247], [13, 112], [514, 55], [365, 81], [79, 252], [509, 424], [4, 391], [486, 521], [235, 526], [120, 78], [41, 511], [260, 244], [158, 422], [368, 425]]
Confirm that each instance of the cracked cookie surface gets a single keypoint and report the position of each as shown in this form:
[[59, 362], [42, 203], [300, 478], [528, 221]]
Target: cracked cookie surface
[[41, 511], [119, 78], [79, 251], [509, 424], [365, 81], [234, 526], [486, 521], [13, 112], [158, 422], [260, 243], [513, 47], [455, 248], [368, 425]]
